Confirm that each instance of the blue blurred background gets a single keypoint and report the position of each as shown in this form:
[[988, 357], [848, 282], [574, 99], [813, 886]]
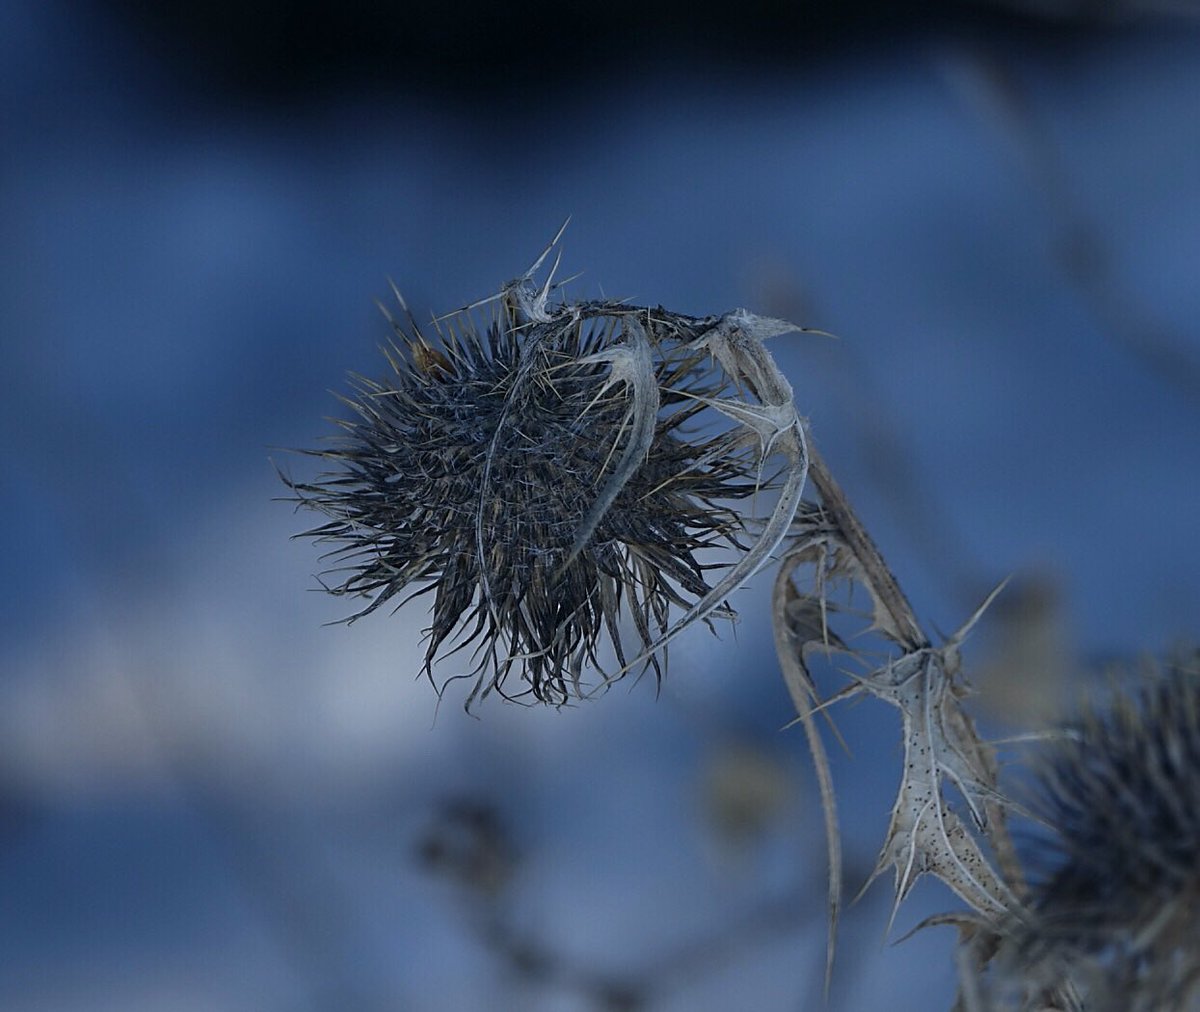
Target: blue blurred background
[[211, 800]]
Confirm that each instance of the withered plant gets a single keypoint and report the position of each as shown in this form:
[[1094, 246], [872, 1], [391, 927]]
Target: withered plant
[[550, 470]]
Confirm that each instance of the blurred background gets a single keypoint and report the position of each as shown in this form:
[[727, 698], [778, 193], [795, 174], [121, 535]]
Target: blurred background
[[210, 799]]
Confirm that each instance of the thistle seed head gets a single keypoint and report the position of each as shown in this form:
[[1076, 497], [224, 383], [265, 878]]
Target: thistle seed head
[[542, 474], [1120, 911]]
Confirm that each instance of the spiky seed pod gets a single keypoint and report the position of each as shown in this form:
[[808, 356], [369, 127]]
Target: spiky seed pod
[[543, 475], [1119, 914]]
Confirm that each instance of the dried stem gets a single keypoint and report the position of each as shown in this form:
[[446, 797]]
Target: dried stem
[[904, 630]]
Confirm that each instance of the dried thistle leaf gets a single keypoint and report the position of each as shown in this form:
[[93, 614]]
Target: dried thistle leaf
[[925, 834], [793, 641]]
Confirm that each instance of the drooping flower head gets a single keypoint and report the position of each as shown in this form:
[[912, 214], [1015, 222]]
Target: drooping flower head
[[549, 472]]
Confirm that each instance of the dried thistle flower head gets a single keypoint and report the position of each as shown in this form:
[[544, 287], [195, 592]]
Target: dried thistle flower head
[[1120, 913], [547, 472]]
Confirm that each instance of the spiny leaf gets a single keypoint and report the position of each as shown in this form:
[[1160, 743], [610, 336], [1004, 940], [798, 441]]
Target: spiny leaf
[[925, 835]]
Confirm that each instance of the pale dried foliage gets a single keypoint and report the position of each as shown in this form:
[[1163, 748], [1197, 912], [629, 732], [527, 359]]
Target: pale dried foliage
[[926, 835], [1113, 926]]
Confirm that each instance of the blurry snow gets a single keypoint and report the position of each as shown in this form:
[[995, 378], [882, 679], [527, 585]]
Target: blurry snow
[[203, 783]]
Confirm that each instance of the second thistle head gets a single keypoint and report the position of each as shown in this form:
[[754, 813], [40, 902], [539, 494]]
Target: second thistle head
[[548, 473], [1119, 913]]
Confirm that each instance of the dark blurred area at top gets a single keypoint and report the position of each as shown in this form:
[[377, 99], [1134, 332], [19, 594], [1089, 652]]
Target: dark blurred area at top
[[484, 52]]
